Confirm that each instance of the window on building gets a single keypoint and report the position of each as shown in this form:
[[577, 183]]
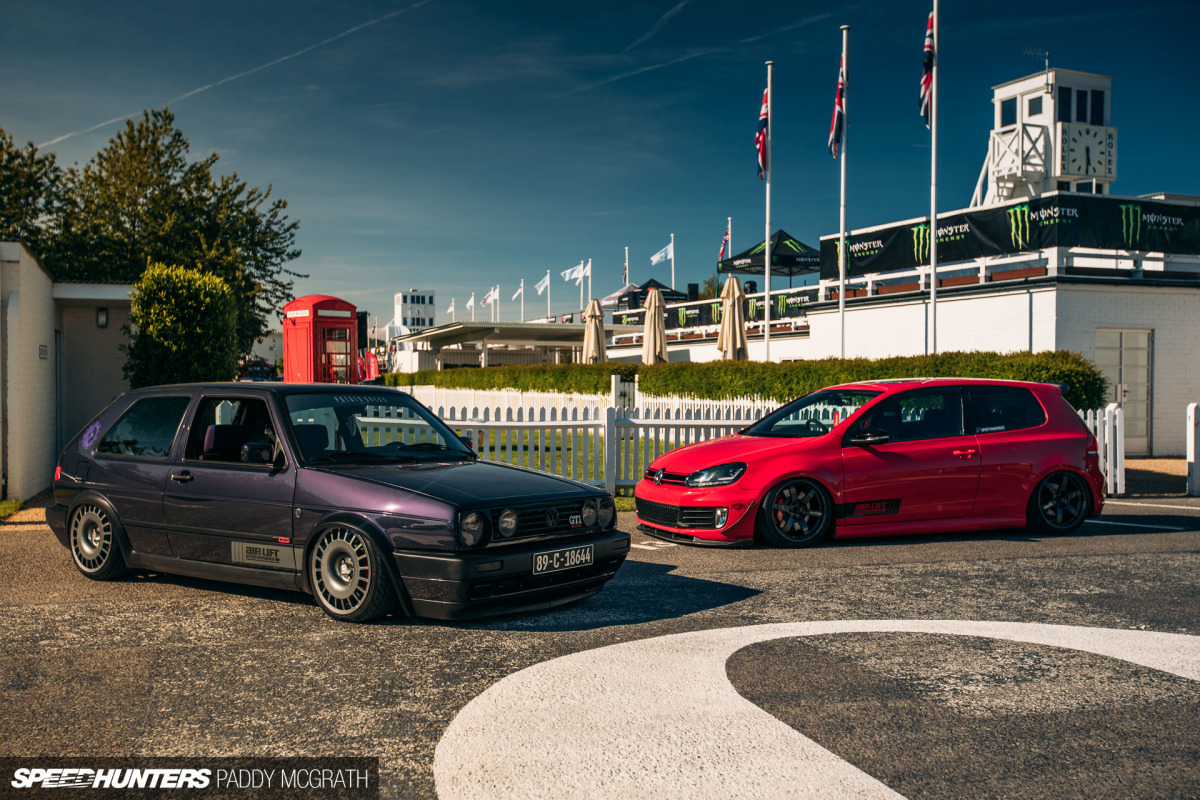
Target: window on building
[[1064, 104], [1084, 186], [1081, 106], [1035, 106], [1097, 107], [1064, 186], [1008, 112]]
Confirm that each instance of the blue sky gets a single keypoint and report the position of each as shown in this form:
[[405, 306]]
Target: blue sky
[[455, 144]]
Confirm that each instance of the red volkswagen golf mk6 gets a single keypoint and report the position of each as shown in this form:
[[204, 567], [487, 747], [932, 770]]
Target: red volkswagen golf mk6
[[920, 455]]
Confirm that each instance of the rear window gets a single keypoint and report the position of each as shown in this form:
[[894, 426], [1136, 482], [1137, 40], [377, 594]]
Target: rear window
[[147, 429], [1005, 408]]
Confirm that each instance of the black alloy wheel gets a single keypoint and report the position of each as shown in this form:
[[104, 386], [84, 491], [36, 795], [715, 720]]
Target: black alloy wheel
[[796, 513], [1060, 503]]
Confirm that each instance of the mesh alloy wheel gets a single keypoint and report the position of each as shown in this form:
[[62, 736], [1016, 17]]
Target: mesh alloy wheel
[[93, 543], [1060, 503], [347, 576], [796, 513]]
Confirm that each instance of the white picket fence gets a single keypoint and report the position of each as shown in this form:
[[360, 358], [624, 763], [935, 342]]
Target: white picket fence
[[606, 441]]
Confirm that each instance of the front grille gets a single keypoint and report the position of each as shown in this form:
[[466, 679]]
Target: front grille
[[676, 478], [676, 517], [532, 520]]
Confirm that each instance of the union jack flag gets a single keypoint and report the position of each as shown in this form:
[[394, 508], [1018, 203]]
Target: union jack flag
[[839, 112], [927, 71], [724, 243], [760, 138]]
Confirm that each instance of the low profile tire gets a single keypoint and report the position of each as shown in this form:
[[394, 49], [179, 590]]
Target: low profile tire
[[93, 540], [348, 577], [1060, 504], [796, 513]]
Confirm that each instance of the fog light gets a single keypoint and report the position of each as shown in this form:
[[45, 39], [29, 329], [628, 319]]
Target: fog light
[[508, 523], [722, 517], [471, 529], [607, 511], [589, 513]]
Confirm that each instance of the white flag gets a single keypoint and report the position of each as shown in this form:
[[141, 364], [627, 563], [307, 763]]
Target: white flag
[[663, 255], [520, 291], [489, 298], [471, 302], [543, 284], [450, 310], [573, 273]]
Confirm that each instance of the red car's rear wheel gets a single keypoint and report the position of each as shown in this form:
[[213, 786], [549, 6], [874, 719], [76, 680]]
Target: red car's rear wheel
[[796, 513]]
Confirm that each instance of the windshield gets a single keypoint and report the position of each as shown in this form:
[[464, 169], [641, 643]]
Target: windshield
[[812, 415], [370, 428]]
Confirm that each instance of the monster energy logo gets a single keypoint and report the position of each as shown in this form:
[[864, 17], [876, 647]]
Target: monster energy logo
[[1131, 223], [716, 312], [682, 313], [920, 234], [780, 306], [752, 311], [1018, 226]]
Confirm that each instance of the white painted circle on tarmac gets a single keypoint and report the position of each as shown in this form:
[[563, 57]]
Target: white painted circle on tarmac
[[659, 717]]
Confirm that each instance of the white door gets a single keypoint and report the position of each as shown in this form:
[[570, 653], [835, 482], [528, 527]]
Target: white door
[[1124, 356]]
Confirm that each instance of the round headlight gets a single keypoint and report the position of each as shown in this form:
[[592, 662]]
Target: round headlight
[[508, 523], [607, 511], [472, 529], [589, 513]]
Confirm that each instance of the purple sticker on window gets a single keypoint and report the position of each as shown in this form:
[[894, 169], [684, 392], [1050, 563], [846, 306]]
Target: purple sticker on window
[[89, 436]]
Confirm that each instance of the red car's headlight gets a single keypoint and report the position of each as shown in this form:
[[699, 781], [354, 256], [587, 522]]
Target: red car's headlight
[[715, 476]]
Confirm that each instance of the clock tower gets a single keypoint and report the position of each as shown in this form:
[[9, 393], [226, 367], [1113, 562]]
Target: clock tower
[[1051, 132]]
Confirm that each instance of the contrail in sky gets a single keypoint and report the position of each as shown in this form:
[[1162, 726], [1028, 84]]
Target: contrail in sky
[[658, 26], [259, 68]]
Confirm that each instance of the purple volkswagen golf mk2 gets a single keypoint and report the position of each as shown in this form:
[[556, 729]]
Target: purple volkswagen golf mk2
[[357, 495]]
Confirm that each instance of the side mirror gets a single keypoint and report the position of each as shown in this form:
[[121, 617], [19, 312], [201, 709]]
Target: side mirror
[[468, 441], [258, 453], [869, 437]]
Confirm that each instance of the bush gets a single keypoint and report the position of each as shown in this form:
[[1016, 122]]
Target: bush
[[720, 380], [185, 328]]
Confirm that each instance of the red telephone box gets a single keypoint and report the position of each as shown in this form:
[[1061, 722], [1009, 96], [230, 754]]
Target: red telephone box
[[320, 340]]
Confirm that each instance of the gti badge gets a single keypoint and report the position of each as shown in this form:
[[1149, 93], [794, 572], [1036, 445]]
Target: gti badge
[[658, 476]]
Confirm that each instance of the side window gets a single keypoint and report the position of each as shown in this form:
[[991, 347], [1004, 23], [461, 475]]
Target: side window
[[147, 429], [223, 425], [918, 415], [1005, 408]]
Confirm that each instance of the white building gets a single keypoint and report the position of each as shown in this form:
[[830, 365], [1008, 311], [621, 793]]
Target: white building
[[415, 309]]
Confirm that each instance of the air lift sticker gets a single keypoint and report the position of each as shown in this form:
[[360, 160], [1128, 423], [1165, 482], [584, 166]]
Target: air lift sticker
[[263, 555], [873, 508]]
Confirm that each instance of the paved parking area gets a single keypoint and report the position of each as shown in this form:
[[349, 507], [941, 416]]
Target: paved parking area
[[174, 666]]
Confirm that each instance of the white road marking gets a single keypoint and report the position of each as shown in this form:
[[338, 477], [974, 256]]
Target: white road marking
[[643, 547], [1133, 525], [659, 718], [1150, 505]]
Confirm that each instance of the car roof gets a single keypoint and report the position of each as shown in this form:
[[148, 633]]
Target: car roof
[[281, 389], [893, 385]]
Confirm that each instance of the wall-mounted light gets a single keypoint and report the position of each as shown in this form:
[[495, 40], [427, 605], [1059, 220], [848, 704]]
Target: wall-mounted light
[[101, 317]]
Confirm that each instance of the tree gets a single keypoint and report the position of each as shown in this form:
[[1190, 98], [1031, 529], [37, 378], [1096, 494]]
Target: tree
[[710, 289], [30, 186], [183, 328], [140, 200]]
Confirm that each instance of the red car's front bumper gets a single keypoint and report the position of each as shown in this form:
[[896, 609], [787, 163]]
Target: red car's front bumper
[[658, 512]]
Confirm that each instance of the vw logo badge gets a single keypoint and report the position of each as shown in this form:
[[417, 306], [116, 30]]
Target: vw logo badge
[[552, 518], [658, 476]]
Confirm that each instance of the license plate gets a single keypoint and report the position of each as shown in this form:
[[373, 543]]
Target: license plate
[[556, 560]]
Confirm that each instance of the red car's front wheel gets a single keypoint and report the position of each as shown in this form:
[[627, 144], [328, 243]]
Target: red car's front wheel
[[796, 513]]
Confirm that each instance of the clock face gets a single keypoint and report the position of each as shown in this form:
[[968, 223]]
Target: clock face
[[1088, 152]]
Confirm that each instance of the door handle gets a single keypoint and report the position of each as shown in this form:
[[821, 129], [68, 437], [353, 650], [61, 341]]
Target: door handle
[[182, 477], [968, 453]]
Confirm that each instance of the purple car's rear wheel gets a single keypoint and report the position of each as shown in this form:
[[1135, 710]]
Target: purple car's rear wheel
[[347, 576], [93, 543], [796, 513]]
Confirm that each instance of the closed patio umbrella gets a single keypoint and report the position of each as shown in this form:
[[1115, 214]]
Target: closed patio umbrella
[[593, 333], [654, 340], [731, 340]]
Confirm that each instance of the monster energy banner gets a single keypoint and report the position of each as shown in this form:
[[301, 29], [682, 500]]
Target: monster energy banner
[[784, 306], [1063, 220]]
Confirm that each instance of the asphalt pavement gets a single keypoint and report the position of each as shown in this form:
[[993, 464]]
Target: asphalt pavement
[[947, 666]]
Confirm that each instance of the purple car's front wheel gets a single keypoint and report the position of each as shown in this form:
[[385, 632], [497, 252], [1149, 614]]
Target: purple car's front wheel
[[347, 576]]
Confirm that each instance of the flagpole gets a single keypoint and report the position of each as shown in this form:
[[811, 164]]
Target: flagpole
[[625, 282], [547, 294], [589, 272], [933, 280], [522, 299], [581, 287], [472, 306], [842, 209], [767, 240], [672, 261], [729, 234], [497, 302]]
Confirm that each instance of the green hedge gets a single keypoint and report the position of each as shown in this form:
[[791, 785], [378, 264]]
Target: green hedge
[[779, 382]]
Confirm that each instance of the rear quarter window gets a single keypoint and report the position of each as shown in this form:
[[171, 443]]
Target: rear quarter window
[[1005, 408], [147, 429]]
